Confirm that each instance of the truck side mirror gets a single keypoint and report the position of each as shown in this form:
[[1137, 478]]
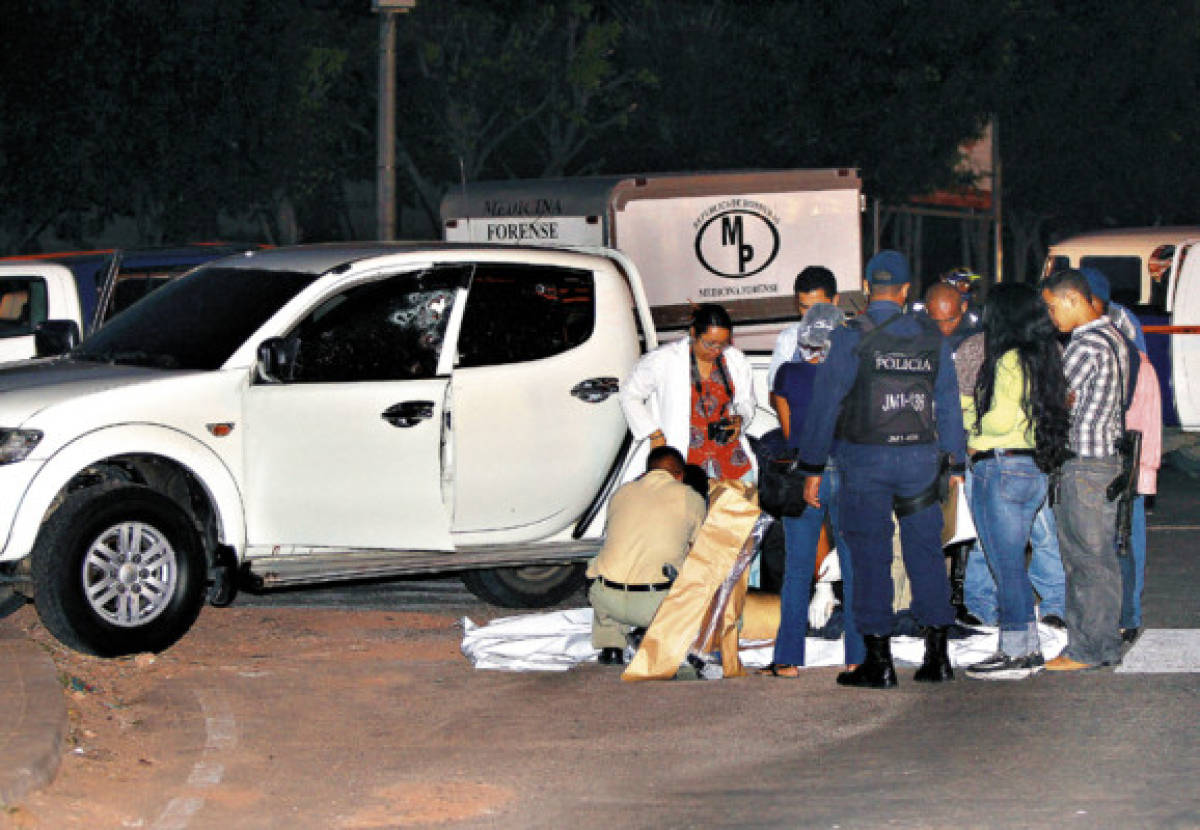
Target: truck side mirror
[[55, 337], [277, 359]]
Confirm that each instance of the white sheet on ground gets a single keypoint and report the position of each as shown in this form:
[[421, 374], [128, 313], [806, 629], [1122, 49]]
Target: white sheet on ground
[[557, 640]]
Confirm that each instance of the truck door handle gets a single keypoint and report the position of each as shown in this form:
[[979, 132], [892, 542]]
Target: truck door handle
[[595, 390], [408, 414]]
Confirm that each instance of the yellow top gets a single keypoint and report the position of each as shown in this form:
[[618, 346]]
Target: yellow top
[[1005, 425]]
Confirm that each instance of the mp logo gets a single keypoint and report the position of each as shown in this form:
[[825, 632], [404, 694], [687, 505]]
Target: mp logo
[[737, 243]]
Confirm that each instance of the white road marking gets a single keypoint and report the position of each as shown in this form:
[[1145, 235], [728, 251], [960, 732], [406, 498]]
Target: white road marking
[[219, 725], [178, 813], [205, 774], [220, 734], [1163, 651], [1172, 527]]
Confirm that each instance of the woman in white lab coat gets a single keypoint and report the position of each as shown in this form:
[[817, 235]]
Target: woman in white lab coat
[[697, 395]]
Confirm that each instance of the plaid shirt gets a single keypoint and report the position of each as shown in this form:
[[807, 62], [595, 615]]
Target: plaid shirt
[[1122, 320], [1096, 363]]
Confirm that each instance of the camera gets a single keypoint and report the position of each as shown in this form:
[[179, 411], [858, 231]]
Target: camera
[[722, 431]]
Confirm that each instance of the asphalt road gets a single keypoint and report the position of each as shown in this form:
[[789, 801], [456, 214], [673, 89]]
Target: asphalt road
[[1097, 750], [358, 712]]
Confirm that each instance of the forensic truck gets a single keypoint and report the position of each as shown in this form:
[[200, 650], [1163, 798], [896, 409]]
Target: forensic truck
[[734, 238]]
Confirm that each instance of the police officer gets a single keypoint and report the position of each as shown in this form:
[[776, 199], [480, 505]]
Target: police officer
[[888, 393]]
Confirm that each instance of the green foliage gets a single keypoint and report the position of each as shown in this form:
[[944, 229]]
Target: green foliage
[[505, 89], [176, 112]]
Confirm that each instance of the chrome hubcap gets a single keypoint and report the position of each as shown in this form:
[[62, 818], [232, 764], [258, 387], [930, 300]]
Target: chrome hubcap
[[129, 574]]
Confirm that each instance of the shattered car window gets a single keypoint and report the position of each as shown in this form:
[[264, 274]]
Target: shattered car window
[[517, 313], [388, 330]]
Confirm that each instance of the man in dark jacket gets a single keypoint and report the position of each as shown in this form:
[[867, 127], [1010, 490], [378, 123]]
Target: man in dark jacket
[[888, 392]]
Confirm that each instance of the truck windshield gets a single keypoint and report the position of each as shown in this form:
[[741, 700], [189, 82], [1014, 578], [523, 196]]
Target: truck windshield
[[196, 322]]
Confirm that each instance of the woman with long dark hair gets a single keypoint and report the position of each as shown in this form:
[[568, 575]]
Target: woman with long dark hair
[[697, 395], [1017, 434]]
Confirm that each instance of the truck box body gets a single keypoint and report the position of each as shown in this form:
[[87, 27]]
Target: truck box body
[[738, 238]]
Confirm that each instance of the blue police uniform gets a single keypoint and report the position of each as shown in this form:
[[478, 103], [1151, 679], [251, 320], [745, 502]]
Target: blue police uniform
[[874, 475]]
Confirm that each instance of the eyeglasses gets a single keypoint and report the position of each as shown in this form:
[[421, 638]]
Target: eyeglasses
[[714, 346]]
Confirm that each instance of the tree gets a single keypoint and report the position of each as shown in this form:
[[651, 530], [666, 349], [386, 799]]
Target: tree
[[176, 113], [1096, 106], [507, 89]]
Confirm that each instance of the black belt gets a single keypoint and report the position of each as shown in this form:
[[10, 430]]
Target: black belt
[[984, 455], [904, 506], [621, 586]]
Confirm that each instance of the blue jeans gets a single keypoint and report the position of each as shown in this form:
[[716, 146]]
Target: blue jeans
[[1045, 571], [1133, 568], [1007, 493], [800, 537], [871, 477]]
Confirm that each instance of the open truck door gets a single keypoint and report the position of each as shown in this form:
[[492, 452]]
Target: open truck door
[[1185, 333]]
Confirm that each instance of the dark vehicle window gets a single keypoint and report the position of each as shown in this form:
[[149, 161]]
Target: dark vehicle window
[[387, 330], [517, 313], [1124, 276], [1055, 263], [22, 305], [129, 288], [196, 322]]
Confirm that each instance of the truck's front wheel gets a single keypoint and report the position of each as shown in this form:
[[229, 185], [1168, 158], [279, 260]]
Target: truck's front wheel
[[118, 569], [534, 586]]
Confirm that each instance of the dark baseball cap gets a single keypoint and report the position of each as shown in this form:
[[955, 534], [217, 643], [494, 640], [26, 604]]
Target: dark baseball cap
[[1098, 283], [888, 268]]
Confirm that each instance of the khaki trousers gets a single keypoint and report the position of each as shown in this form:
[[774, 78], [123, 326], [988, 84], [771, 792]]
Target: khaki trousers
[[616, 611]]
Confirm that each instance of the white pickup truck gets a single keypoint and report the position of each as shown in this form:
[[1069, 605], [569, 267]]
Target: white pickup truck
[[313, 414]]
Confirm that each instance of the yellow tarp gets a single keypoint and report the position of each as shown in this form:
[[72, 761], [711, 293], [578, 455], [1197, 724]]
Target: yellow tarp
[[702, 609]]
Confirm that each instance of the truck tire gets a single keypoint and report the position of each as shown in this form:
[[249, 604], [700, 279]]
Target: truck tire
[[118, 569], [533, 586]]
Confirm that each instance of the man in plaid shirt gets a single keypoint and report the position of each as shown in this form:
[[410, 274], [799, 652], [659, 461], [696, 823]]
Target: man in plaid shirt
[[1096, 363]]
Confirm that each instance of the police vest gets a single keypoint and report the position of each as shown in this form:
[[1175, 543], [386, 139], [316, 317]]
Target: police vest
[[891, 402]]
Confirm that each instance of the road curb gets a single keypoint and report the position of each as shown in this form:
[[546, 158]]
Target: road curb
[[33, 717]]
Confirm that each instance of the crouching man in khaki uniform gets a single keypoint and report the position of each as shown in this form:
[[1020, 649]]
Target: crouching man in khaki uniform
[[652, 521]]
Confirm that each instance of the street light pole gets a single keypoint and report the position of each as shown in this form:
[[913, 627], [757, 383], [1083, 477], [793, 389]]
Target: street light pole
[[385, 191]]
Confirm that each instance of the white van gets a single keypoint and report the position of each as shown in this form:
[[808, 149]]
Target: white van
[[1137, 261], [1151, 274]]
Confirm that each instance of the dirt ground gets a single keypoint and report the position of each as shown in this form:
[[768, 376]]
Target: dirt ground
[[135, 737]]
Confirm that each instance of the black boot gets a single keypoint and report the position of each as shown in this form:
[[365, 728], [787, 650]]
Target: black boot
[[936, 667], [877, 671], [611, 657]]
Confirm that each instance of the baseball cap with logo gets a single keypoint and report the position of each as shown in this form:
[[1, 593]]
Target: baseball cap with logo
[[888, 268]]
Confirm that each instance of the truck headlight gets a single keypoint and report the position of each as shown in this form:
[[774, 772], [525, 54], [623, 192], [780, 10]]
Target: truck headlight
[[17, 444]]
